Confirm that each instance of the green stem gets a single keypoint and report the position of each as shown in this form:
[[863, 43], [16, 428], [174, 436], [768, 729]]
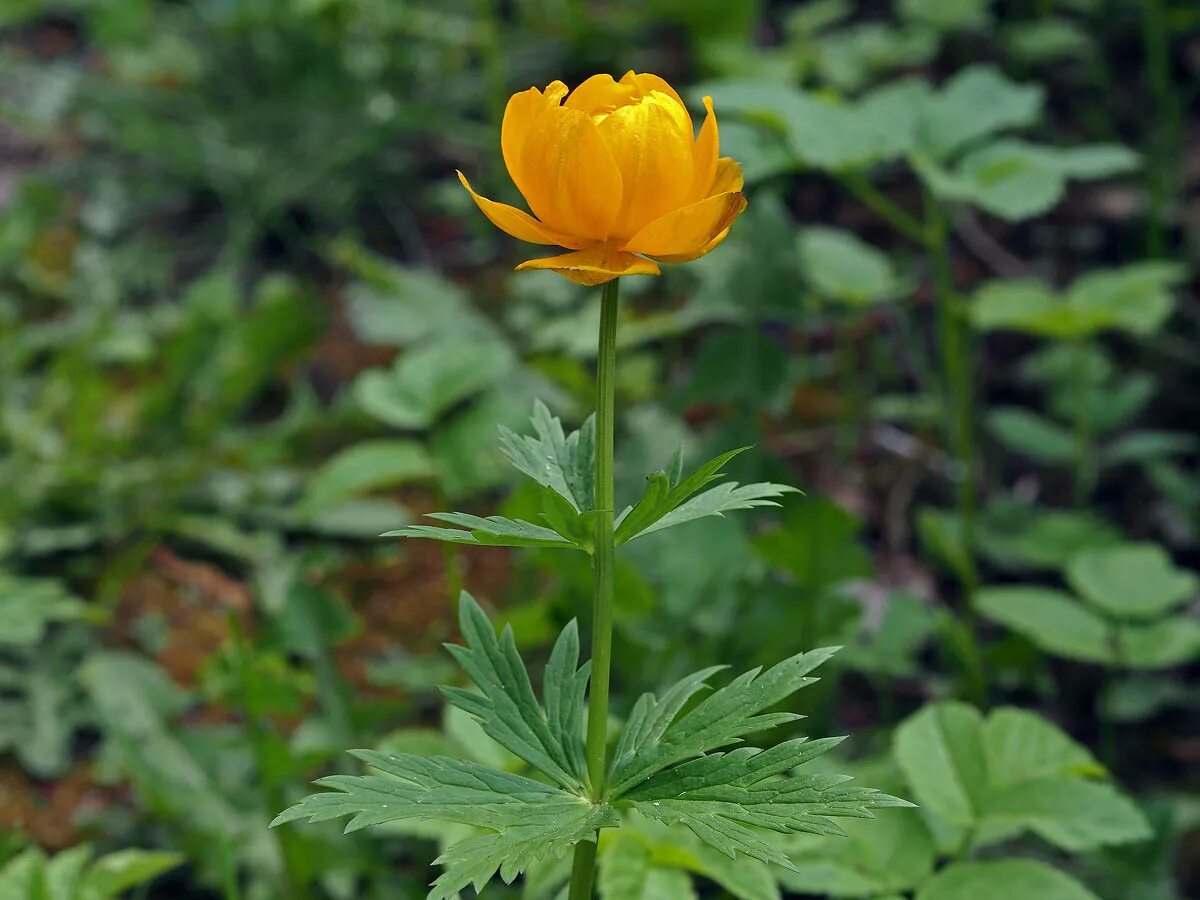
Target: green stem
[[884, 207], [1163, 130], [1085, 460], [954, 345], [603, 562]]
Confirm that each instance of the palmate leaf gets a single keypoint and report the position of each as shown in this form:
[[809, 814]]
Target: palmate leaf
[[550, 739], [565, 463], [723, 797], [672, 500], [654, 739], [492, 531], [527, 819]]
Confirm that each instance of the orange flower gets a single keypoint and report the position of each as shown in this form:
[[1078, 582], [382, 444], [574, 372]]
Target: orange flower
[[616, 175]]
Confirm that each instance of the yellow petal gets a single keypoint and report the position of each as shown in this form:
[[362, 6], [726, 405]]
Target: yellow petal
[[595, 265], [578, 184], [523, 108], [651, 142], [704, 154], [600, 95], [695, 254], [690, 229], [727, 178], [646, 84], [517, 222]]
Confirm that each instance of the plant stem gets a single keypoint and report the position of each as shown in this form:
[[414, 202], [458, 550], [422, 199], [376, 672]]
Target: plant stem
[[1163, 136], [954, 344], [884, 207], [1085, 462], [603, 562]]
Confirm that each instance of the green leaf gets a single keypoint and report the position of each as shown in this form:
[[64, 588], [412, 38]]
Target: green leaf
[[946, 15], [548, 739], [116, 873], [719, 795], [1172, 641], [840, 266], [726, 497], [492, 531], [659, 740], [29, 605], [1032, 435], [941, 751], [427, 381], [527, 819], [894, 853], [978, 101], [1071, 813], [1133, 581], [564, 463], [1021, 745], [366, 467], [1003, 880], [1014, 534], [1050, 619], [627, 872], [1136, 298]]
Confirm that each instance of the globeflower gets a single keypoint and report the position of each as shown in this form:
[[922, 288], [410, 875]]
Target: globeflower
[[614, 172]]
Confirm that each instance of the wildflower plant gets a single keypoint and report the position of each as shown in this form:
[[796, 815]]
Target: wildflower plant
[[613, 173]]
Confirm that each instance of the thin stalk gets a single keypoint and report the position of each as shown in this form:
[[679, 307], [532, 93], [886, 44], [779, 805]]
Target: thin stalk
[[1163, 136], [1085, 457], [885, 208], [954, 345], [603, 563]]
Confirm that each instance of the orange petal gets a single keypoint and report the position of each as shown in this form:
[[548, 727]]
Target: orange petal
[[578, 184], [595, 265], [704, 154], [695, 254], [728, 177], [651, 142], [519, 115], [600, 95], [690, 229], [516, 222]]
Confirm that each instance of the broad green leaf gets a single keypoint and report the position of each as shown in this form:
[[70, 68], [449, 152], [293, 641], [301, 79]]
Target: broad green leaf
[[427, 381], [29, 605], [840, 266], [526, 819], [976, 102], [1136, 298], [1021, 745], [1014, 534], [892, 853], [366, 467], [719, 795], [1172, 641], [114, 874], [548, 739], [1071, 813], [946, 15], [1046, 40], [850, 58], [1133, 581], [63, 875], [627, 872], [1050, 619], [1003, 880], [564, 463], [21, 876], [941, 751], [1018, 304], [660, 739], [1147, 447], [492, 531], [1032, 435]]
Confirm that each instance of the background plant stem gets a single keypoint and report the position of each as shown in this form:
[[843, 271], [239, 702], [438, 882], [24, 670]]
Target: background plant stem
[[584, 866], [954, 346], [1085, 456]]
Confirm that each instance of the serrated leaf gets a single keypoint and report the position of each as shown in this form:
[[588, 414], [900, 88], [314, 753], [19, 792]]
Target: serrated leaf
[[548, 739], [723, 797], [1050, 619], [717, 501], [528, 818], [723, 718], [1003, 880], [666, 492], [492, 531], [1134, 581], [564, 463], [114, 874]]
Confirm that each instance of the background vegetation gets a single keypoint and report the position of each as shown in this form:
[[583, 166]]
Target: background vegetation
[[249, 321]]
